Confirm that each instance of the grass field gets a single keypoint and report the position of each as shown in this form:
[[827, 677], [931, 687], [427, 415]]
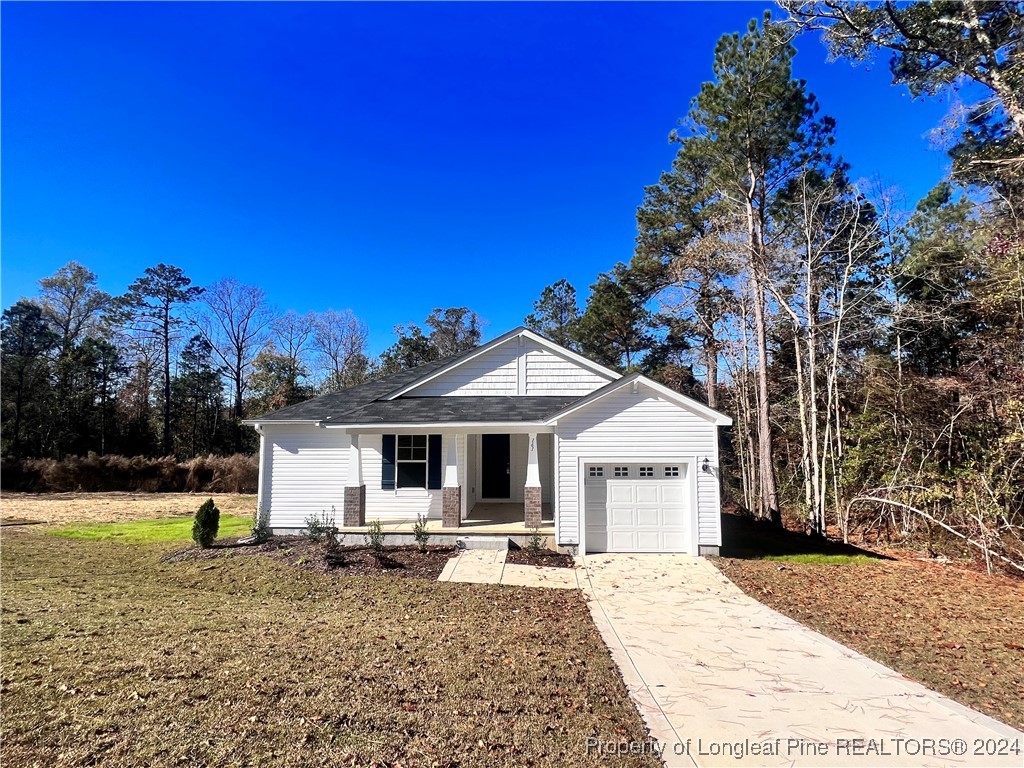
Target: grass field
[[61, 508], [113, 657], [149, 531]]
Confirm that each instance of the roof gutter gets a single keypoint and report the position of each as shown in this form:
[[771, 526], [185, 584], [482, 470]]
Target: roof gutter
[[495, 427], [268, 422]]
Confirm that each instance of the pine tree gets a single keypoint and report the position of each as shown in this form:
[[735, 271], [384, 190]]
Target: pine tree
[[150, 307]]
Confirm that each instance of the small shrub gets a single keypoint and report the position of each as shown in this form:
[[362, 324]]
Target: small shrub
[[375, 536], [420, 532], [260, 525], [207, 521], [535, 544], [320, 527]]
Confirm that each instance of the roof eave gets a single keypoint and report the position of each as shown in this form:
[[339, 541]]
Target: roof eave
[[717, 418]]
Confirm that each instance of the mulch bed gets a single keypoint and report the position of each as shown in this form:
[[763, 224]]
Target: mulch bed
[[545, 558], [300, 552]]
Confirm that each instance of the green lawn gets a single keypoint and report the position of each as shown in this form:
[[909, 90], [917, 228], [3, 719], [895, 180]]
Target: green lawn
[[150, 531], [815, 558], [112, 657]]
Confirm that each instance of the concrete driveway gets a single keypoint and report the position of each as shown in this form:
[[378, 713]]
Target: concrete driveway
[[723, 680]]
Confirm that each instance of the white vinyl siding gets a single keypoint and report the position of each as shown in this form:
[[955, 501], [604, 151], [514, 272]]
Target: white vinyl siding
[[626, 428], [403, 503], [307, 467], [494, 372], [548, 373], [519, 366]]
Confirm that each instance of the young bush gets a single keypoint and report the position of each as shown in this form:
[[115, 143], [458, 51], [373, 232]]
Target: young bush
[[375, 536], [420, 532], [321, 527], [260, 526], [534, 545], [204, 528]]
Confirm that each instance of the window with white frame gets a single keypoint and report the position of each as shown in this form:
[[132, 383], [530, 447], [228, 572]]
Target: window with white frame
[[646, 471], [411, 461], [671, 471], [597, 471], [621, 472]]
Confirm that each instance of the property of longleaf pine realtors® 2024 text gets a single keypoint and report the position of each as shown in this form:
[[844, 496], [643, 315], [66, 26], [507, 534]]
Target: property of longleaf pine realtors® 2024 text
[[793, 747]]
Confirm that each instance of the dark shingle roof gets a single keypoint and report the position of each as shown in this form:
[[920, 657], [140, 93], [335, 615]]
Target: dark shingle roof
[[430, 410], [337, 403], [363, 404]]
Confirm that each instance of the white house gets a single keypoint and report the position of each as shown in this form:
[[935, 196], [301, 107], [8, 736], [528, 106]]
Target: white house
[[618, 463]]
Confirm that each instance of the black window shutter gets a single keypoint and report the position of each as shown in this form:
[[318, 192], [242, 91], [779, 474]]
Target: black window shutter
[[387, 463], [434, 462]]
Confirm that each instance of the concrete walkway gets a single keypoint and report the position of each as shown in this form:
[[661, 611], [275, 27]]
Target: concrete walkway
[[488, 566], [723, 680]]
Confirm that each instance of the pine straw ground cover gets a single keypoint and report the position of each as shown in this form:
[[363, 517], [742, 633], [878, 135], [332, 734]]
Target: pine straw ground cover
[[955, 630], [112, 657], [300, 552]]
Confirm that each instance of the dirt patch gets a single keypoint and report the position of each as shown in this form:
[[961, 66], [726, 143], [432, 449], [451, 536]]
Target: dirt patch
[[63, 508], [300, 552], [956, 631], [114, 658], [545, 558]]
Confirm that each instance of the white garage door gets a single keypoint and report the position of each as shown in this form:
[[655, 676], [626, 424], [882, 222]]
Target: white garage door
[[637, 508]]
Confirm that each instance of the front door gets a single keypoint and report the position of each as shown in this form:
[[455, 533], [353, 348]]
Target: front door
[[496, 468]]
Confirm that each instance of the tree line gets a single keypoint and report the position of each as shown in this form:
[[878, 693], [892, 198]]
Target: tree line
[[171, 369], [871, 353]]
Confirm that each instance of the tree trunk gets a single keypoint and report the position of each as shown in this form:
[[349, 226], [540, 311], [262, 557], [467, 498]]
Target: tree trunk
[[711, 361], [167, 382], [237, 428], [765, 459]]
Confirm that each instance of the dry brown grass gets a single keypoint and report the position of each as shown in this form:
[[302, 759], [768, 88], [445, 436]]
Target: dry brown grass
[[62, 508], [112, 657]]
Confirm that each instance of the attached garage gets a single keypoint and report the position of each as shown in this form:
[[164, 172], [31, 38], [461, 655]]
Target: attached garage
[[639, 507]]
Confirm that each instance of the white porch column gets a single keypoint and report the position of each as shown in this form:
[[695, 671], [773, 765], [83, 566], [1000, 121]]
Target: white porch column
[[532, 493], [354, 512], [355, 464], [262, 514], [451, 492]]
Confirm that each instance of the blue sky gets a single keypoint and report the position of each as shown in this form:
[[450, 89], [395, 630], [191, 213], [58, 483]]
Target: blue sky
[[385, 157]]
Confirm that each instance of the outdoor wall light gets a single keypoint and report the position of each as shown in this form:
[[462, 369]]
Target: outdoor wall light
[[706, 466]]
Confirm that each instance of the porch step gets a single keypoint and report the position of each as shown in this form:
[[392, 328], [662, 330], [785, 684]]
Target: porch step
[[482, 542]]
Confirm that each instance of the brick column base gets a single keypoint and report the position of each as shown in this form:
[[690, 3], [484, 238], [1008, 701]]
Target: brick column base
[[451, 507], [354, 512], [532, 495]]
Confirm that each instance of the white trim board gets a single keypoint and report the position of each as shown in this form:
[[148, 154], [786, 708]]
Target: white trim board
[[699, 409]]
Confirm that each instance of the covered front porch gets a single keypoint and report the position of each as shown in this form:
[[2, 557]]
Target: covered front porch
[[496, 479], [486, 518]]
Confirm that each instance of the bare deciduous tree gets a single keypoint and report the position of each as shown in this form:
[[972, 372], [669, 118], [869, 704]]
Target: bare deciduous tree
[[339, 339], [236, 323]]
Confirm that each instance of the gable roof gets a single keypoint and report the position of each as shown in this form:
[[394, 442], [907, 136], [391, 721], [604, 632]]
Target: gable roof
[[458, 360], [381, 402], [699, 409]]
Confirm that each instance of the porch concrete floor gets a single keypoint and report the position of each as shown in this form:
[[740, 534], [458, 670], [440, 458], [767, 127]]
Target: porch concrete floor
[[486, 518]]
